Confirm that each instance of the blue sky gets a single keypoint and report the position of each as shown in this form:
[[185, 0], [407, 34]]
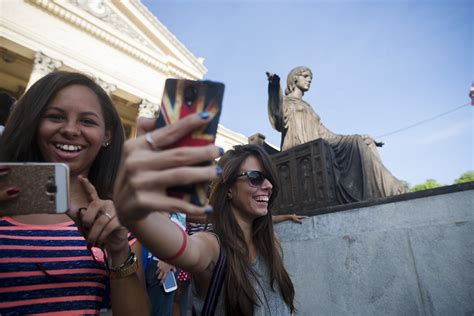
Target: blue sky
[[378, 66]]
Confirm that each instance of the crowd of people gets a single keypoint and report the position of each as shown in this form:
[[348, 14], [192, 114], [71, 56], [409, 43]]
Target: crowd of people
[[93, 257]]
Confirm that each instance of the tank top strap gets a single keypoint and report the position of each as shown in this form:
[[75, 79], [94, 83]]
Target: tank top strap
[[215, 286]]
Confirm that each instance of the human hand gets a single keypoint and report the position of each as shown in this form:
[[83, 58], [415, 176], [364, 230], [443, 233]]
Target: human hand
[[7, 193], [162, 269], [99, 223], [147, 170], [297, 218], [145, 124]]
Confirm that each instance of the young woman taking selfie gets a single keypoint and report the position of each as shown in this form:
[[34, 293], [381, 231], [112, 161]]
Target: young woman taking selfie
[[236, 271], [57, 262]]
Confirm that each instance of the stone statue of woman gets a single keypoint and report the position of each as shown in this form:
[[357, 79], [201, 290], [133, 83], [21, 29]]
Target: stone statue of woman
[[360, 172]]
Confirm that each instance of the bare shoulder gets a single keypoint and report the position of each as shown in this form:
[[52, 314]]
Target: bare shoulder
[[208, 241]]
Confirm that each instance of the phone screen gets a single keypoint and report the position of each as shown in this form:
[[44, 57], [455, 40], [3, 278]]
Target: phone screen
[[170, 284]]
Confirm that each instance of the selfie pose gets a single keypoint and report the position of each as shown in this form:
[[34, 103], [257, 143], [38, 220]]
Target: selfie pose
[[57, 262], [237, 271]]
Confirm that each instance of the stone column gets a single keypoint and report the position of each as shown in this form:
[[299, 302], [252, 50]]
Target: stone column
[[108, 87], [43, 65], [148, 109]]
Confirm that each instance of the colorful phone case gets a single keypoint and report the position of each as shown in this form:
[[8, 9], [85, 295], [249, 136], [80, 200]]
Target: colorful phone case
[[181, 98]]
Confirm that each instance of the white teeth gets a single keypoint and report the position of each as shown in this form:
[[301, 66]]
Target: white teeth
[[262, 198], [68, 147]]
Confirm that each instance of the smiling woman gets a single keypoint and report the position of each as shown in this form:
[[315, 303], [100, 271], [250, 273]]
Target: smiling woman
[[238, 270], [72, 129], [45, 105], [50, 263]]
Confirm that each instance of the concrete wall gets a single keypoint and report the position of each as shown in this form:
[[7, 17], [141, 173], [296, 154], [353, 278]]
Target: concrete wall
[[412, 257]]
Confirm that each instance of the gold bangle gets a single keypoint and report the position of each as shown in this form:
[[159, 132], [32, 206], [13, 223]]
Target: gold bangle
[[129, 267]]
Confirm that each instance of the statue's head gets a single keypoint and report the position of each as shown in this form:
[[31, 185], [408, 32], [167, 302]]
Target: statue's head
[[292, 76]]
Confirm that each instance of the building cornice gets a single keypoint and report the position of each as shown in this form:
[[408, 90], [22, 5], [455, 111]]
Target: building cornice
[[231, 135], [169, 36], [110, 38]]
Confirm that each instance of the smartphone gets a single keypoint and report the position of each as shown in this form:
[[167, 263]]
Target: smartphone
[[44, 188], [184, 97], [170, 285]]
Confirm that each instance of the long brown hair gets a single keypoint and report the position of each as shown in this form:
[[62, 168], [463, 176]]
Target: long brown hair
[[240, 296], [18, 142]]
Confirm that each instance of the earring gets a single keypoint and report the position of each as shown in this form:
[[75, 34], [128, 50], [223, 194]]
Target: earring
[[105, 145], [229, 196]]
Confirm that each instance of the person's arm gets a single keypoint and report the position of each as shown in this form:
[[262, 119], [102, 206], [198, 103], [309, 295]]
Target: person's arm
[[101, 228], [288, 217], [128, 294], [141, 194], [275, 99]]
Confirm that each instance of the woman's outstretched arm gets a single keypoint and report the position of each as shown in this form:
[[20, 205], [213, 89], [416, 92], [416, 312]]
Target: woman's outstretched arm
[[145, 175]]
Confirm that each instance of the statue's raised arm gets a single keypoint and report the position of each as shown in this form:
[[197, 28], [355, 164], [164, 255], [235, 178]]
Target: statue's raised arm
[[275, 112]]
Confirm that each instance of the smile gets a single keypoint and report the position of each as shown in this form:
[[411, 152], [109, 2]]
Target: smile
[[262, 199], [68, 148]]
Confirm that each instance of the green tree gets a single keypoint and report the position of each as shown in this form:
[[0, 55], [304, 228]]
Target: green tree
[[428, 184], [465, 177]]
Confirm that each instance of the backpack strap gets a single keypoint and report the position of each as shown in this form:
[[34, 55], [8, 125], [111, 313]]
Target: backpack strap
[[215, 286]]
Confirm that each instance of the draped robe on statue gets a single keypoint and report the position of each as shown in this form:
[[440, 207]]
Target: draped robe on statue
[[359, 171]]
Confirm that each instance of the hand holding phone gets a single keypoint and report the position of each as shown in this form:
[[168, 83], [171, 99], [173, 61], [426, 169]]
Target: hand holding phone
[[184, 97], [169, 284], [41, 188]]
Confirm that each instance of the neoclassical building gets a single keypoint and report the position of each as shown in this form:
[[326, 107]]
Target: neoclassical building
[[121, 44]]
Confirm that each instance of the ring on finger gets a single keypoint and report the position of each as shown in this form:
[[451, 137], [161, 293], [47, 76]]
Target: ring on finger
[[151, 142], [107, 215]]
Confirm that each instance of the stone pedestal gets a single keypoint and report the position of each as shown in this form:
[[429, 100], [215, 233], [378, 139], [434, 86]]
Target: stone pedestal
[[306, 178]]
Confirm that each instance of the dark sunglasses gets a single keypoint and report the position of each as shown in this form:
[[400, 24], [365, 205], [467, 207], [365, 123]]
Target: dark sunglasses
[[256, 178]]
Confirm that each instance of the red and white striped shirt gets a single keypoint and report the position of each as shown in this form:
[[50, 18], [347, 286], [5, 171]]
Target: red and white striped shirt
[[47, 269]]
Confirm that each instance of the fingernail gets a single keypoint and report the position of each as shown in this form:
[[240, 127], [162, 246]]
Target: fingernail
[[208, 210], [13, 191], [204, 115], [4, 169], [218, 170], [221, 151]]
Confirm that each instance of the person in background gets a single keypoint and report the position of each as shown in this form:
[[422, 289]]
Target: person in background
[[6, 102], [236, 271], [156, 270], [63, 263]]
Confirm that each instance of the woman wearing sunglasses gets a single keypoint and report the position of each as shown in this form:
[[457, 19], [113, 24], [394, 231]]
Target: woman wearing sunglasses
[[239, 269]]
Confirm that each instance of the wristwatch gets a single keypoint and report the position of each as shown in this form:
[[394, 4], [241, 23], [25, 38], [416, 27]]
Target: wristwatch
[[129, 267]]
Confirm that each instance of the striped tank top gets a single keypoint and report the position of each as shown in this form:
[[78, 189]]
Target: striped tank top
[[48, 270]]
